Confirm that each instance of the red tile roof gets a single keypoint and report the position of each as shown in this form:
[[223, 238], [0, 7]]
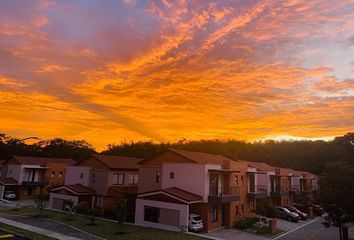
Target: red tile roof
[[117, 162], [182, 194], [178, 193], [42, 161], [80, 189], [261, 166], [203, 158], [8, 181]]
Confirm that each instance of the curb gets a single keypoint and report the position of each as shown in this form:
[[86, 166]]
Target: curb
[[292, 230]]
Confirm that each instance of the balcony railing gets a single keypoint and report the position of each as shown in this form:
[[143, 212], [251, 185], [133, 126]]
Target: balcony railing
[[258, 189], [280, 191], [257, 192], [223, 194]]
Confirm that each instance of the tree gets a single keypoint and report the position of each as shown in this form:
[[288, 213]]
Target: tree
[[336, 186], [121, 209], [265, 208], [41, 202]]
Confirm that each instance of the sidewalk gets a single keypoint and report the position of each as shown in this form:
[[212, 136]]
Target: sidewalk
[[37, 230]]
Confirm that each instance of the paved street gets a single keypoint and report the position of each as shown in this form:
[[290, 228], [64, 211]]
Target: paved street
[[314, 230]]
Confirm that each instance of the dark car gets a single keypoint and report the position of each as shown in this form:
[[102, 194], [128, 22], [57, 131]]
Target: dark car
[[316, 209], [303, 216], [284, 213]]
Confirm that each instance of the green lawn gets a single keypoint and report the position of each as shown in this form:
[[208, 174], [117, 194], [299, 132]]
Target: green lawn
[[22, 232], [105, 229]]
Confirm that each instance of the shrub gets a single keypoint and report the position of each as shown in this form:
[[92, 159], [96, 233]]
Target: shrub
[[83, 207], [110, 213], [245, 223], [265, 208]]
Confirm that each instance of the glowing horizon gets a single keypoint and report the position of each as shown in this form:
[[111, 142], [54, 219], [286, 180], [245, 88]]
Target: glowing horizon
[[112, 71]]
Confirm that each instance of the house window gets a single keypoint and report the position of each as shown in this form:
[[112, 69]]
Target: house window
[[93, 177], [214, 214], [81, 175], [236, 179], [133, 178], [157, 177], [118, 178], [236, 210], [27, 191], [242, 209], [60, 174], [241, 179], [151, 214], [172, 175], [98, 203], [53, 174]]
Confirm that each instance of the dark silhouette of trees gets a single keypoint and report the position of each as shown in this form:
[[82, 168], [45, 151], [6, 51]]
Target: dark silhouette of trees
[[336, 195], [301, 155]]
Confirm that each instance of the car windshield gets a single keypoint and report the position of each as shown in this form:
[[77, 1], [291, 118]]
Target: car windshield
[[197, 218]]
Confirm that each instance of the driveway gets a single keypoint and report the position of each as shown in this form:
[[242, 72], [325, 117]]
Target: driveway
[[234, 234], [12, 204], [314, 231], [287, 225]]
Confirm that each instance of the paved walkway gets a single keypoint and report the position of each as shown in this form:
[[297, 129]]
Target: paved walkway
[[47, 227], [234, 234]]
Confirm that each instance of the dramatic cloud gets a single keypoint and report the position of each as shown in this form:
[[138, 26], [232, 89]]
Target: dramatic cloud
[[165, 70]]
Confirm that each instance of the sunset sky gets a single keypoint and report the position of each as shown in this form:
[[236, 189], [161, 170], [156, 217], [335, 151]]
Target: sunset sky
[[108, 71]]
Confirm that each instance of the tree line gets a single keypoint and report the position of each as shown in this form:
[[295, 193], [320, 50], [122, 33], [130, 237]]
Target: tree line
[[309, 156]]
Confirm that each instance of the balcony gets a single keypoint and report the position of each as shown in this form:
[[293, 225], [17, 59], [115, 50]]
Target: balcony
[[220, 195], [257, 192], [280, 191], [33, 177], [294, 190]]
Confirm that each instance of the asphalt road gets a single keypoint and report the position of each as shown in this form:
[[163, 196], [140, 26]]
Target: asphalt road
[[314, 231]]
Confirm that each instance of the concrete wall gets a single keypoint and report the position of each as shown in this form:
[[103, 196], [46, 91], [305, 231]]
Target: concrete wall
[[73, 175], [147, 179], [181, 208], [187, 176], [15, 172], [100, 185]]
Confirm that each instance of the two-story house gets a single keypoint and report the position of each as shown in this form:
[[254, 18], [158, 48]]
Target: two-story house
[[28, 176], [178, 182], [100, 181]]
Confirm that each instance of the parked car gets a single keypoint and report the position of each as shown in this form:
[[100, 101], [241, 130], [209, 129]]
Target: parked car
[[303, 216], [195, 223], [316, 209], [284, 213], [10, 195]]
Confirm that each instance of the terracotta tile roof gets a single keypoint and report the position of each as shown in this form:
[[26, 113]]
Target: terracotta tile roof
[[118, 161], [128, 190], [203, 158], [261, 166], [80, 189], [8, 181], [182, 194], [42, 161]]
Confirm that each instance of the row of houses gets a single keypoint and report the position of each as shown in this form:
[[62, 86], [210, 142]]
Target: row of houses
[[162, 191]]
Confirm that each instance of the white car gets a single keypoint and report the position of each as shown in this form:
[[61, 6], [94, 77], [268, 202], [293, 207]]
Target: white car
[[10, 195], [195, 223]]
